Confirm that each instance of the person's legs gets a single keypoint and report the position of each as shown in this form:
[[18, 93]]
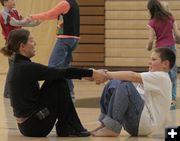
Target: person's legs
[[120, 102], [55, 97], [108, 91], [73, 43], [68, 123], [34, 127], [6, 93], [62, 56], [173, 76], [104, 102], [134, 111]]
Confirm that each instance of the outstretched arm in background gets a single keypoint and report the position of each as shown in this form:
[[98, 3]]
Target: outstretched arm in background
[[61, 8], [25, 22]]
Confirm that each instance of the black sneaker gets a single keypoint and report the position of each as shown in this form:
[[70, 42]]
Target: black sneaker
[[6, 95], [75, 133]]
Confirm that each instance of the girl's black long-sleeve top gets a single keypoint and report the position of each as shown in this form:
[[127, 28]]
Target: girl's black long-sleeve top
[[23, 77]]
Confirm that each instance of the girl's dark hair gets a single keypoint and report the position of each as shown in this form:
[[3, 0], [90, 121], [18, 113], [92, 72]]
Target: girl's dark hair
[[14, 40], [166, 54], [2, 2], [157, 11]]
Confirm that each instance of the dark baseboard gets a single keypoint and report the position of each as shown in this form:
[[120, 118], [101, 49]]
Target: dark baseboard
[[94, 103]]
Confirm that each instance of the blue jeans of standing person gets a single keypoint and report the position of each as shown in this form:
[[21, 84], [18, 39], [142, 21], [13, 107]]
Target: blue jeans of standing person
[[173, 75], [121, 106], [61, 56]]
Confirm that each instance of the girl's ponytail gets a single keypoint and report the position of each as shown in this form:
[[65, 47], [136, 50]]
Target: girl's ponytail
[[6, 51]]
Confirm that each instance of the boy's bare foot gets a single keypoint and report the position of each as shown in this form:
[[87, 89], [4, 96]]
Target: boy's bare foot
[[99, 127], [104, 132]]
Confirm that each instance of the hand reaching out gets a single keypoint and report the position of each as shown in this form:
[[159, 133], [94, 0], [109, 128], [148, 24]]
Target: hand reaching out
[[149, 48], [100, 76], [29, 19]]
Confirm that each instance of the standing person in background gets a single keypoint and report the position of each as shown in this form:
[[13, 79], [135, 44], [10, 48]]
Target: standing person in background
[[68, 32], [10, 19], [163, 27]]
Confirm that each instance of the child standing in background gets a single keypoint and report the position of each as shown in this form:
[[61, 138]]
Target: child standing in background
[[10, 20], [163, 27], [67, 14]]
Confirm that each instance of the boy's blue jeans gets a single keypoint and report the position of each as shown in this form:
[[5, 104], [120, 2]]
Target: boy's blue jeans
[[61, 56], [173, 75], [121, 106]]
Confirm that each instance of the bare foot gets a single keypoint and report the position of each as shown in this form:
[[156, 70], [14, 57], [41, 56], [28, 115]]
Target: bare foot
[[101, 126], [173, 105], [104, 132]]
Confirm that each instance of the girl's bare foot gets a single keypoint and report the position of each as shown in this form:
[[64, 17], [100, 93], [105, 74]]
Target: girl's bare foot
[[101, 126], [173, 105], [104, 132]]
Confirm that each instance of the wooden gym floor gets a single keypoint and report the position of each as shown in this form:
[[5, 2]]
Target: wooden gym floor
[[87, 94]]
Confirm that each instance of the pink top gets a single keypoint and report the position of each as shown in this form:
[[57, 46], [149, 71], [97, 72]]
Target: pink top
[[61, 8], [163, 31]]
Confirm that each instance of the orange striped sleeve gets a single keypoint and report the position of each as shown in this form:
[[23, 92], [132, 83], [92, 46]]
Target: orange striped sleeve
[[61, 8]]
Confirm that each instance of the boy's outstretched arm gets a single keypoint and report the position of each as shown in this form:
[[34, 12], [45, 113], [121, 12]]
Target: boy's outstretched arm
[[125, 75], [25, 22]]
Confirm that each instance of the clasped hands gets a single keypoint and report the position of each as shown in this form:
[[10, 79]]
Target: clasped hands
[[29, 19], [99, 76]]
